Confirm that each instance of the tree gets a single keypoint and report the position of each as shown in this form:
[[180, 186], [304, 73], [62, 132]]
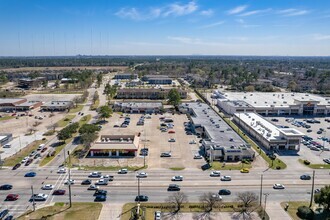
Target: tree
[[292, 86], [174, 97], [176, 200], [323, 198], [95, 97], [99, 79], [88, 128], [87, 138], [248, 203], [105, 112], [210, 201], [63, 135]]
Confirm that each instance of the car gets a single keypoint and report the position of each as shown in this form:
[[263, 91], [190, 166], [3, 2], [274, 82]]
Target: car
[[316, 191], [62, 170], [314, 148], [9, 217], [141, 198], [6, 187], [274, 119], [107, 177], [7, 146], [59, 192], [177, 178], [44, 149], [198, 156], [11, 197], [95, 174], [100, 192], [25, 159], [86, 182], [30, 174], [171, 140], [163, 129], [142, 175], [226, 178], [245, 170], [319, 132], [102, 182], [16, 166], [309, 130], [278, 186], [47, 187], [192, 142], [28, 162], [305, 177], [39, 197], [3, 213], [166, 154], [158, 215], [69, 182], [41, 146], [93, 187], [100, 198], [216, 197], [215, 174], [33, 153], [122, 171], [224, 192], [123, 125], [171, 132], [37, 155], [326, 160], [173, 187]]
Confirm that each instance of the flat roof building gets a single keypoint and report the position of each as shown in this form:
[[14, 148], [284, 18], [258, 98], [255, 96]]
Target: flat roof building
[[57, 106], [278, 103], [157, 79], [19, 104], [115, 146], [135, 93], [267, 134], [138, 107], [219, 140], [27, 83], [126, 76]]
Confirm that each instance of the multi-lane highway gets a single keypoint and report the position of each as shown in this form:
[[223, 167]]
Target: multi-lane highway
[[124, 187]]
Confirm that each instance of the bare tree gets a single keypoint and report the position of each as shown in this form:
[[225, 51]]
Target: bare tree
[[209, 201], [247, 204], [176, 200]]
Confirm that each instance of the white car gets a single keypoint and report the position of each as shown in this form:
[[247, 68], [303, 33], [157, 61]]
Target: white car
[[69, 182], [95, 174], [278, 186], [93, 187], [216, 196], [39, 197], [25, 159], [215, 174], [142, 175], [198, 156], [192, 142], [7, 146], [171, 140], [47, 187], [226, 178], [102, 182], [158, 215], [177, 178], [62, 170], [122, 171]]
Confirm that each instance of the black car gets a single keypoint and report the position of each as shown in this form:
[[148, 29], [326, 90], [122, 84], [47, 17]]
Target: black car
[[305, 177], [3, 213], [173, 187], [166, 154], [16, 166], [9, 217], [141, 198], [100, 192], [86, 182], [6, 187], [100, 198], [224, 192]]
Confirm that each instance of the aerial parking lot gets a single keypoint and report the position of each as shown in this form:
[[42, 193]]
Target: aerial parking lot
[[315, 149]]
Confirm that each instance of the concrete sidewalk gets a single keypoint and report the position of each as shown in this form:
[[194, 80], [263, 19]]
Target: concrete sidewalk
[[111, 211], [276, 212]]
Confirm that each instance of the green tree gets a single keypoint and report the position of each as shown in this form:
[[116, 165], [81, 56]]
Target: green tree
[[87, 139], [88, 128], [63, 135], [174, 97], [323, 198], [99, 79], [105, 112]]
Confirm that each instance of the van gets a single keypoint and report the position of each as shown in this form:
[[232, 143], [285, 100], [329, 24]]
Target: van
[[7, 146], [41, 146]]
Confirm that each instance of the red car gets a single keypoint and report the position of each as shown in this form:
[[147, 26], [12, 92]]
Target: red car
[[171, 132], [59, 192], [44, 149], [12, 197]]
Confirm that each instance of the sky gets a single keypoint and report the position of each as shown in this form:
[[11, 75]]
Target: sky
[[156, 27]]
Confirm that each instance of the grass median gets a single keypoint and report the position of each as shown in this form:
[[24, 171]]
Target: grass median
[[65, 121], [79, 210], [78, 108], [112, 168], [24, 152], [4, 118], [315, 166], [228, 166]]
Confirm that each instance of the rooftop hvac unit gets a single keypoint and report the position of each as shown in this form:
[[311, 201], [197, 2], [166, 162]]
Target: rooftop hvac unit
[[128, 139], [121, 139]]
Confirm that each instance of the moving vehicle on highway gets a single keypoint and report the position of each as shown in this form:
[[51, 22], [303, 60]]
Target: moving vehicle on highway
[[177, 178], [226, 178], [100, 192], [39, 197], [122, 171], [142, 175], [93, 187], [12, 197], [47, 187], [16, 166], [86, 182], [224, 192], [100, 198], [107, 177], [305, 177], [62, 170], [3, 213], [102, 182], [141, 198], [278, 186], [59, 192], [69, 182], [173, 187], [245, 170], [95, 174], [30, 174], [215, 174], [6, 187]]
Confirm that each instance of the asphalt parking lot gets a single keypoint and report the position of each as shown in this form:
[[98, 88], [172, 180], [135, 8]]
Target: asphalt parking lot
[[305, 152], [157, 141]]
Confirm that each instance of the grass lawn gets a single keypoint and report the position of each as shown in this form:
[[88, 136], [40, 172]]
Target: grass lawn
[[293, 208], [95, 105], [76, 109], [18, 157], [176, 168], [163, 207], [65, 121], [61, 211], [111, 168], [315, 166], [228, 166], [58, 149], [6, 118], [272, 164]]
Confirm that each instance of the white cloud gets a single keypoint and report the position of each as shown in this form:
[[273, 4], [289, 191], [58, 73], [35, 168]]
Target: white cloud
[[131, 13], [237, 10], [292, 12], [213, 24], [321, 37], [255, 12], [186, 40], [208, 12], [241, 21], [177, 9]]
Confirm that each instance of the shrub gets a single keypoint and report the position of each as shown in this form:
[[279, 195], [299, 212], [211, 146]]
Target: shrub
[[278, 167], [306, 162], [305, 213]]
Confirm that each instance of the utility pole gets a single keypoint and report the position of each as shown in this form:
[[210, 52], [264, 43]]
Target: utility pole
[[64, 157], [69, 158], [69, 183], [266, 195], [33, 202], [312, 193], [261, 188]]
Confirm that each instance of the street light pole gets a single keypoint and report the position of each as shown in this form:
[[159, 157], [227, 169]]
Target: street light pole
[[33, 202], [312, 193], [261, 188], [69, 183]]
